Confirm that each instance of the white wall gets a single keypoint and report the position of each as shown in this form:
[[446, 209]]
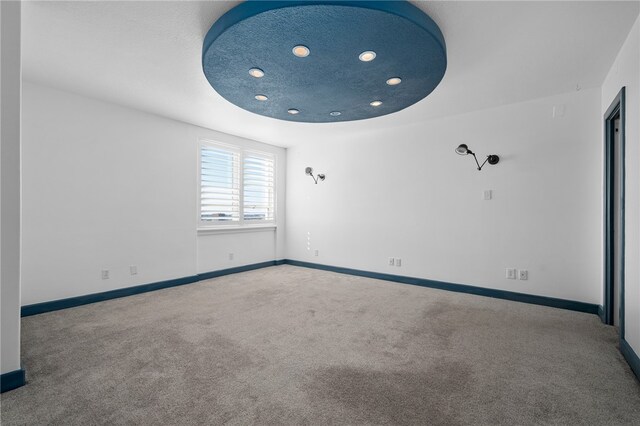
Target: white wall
[[10, 77], [405, 193], [106, 187], [247, 248], [626, 72]]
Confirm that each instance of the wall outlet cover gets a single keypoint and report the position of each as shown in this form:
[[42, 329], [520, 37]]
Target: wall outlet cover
[[558, 111]]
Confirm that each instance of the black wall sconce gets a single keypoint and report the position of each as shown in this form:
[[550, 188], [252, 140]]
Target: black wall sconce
[[309, 171], [492, 159]]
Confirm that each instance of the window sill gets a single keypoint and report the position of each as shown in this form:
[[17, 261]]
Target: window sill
[[235, 229]]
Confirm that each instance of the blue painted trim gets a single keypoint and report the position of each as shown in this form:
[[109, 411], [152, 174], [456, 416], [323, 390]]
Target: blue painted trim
[[623, 191], [601, 314], [617, 107], [55, 305], [460, 288], [631, 357], [214, 274], [71, 302], [12, 380]]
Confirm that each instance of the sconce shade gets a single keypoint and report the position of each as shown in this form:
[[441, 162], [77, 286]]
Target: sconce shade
[[493, 159], [462, 149], [308, 171]]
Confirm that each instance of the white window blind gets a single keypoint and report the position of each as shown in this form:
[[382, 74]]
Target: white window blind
[[258, 172], [219, 184], [237, 186]]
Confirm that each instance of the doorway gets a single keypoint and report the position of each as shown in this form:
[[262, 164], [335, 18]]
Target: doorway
[[614, 195]]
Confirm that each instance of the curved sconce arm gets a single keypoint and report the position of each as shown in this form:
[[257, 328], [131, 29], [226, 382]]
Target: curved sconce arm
[[309, 171], [492, 159]]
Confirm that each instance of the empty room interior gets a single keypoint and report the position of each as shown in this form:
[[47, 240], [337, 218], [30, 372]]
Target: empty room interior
[[320, 212]]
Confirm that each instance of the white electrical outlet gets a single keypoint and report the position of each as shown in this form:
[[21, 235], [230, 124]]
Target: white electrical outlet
[[558, 111], [398, 262], [230, 256], [392, 261], [133, 270], [487, 194], [105, 274], [511, 273], [523, 274], [316, 253]]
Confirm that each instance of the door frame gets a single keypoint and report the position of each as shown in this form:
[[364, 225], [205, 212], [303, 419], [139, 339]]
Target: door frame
[[616, 108]]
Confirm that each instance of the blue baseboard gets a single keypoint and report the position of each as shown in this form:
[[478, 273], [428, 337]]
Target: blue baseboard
[[460, 288], [12, 380], [55, 305], [71, 302], [214, 274], [601, 314], [631, 357]]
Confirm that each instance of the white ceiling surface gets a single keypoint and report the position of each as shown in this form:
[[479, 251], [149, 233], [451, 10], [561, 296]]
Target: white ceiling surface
[[147, 55]]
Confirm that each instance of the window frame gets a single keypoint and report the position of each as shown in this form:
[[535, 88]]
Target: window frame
[[241, 223]]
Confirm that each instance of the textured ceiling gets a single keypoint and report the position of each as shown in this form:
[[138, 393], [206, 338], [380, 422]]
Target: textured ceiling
[[331, 83], [147, 55]]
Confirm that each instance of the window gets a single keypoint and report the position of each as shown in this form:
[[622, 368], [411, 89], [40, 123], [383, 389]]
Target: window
[[237, 186], [219, 184], [258, 176]]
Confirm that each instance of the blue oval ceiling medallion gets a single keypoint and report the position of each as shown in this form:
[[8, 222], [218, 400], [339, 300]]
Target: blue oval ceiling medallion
[[324, 61]]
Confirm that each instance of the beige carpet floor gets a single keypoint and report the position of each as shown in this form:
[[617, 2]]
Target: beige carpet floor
[[289, 345]]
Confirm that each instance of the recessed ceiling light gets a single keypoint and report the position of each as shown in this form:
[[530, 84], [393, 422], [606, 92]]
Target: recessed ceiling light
[[393, 81], [376, 103], [293, 111], [335, 113], [256, 72], [367, 56], [301, 51], [261, 97]]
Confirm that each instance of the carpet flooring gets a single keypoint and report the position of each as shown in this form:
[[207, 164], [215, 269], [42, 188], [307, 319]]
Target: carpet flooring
[[289, 345]]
